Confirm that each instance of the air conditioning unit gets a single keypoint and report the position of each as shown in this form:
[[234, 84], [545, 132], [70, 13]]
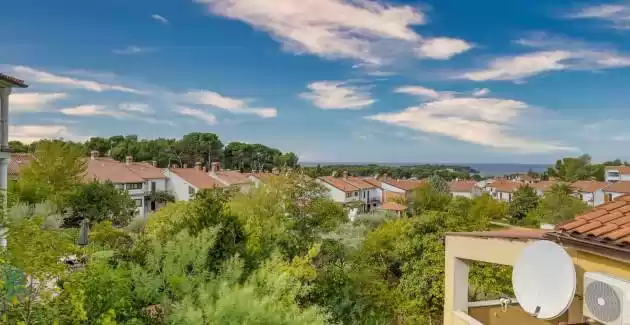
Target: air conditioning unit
[[606, 299]]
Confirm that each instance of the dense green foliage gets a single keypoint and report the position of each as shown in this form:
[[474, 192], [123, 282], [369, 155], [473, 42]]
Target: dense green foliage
[[193, 147], [98, 202], [571, 169], [398, 172], [524, 200]]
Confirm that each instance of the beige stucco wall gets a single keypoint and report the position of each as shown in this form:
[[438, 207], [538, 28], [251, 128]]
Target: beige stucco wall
[[460, 250]]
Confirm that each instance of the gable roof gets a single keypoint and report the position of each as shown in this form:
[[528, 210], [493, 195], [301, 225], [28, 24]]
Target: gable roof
[[230, 177], [197, 178], [339, 183], [393, 206], [406, 185], [146, 171], [588, 186], [621, 169], [503, 185], [618, 187], [107, 169], [543, 185], [17, 162], [462, 186], [359, 183], [373, 181]]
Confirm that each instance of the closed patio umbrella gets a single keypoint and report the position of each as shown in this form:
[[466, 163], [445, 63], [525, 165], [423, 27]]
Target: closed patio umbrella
[[83, 233]]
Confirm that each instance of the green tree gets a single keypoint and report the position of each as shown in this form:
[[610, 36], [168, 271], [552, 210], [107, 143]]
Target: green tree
[[427, 198], [98, 202], [523, 201], [556, 206], [572, 169], [438, 184]]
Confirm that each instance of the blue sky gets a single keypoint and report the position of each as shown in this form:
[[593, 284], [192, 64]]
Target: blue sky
[[332, 80]]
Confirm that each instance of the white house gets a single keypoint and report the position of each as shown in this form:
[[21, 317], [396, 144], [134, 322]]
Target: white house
[[502, 189], [138, 179], [228, 178], [616, 189], [591, 192], [617, 173], [183, 183], [467, 189], [346, 190]]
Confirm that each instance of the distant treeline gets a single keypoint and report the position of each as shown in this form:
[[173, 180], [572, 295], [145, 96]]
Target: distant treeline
[[447, 172], [193, 147]]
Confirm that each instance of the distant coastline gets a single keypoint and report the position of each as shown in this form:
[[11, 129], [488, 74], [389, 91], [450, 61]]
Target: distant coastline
[[487, 169]]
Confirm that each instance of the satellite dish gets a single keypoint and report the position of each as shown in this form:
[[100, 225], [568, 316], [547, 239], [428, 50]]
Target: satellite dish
[[543, 280]]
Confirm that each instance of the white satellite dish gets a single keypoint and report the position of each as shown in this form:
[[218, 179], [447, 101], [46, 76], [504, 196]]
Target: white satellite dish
[[543, 280]]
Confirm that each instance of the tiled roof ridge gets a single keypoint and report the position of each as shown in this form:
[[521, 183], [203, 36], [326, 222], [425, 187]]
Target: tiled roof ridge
[[13, 80]]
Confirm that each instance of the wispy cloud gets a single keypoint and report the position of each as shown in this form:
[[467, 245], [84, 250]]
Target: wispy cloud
[[135, 108], [484, 121], [33, 102], [364, 30], [480, 92], [132, 50], [160, 19], [90, 110], [424, 92], [337, 95], [617, 14], [232, 105], [35, 132], [196, 113], [44, 77], [551, 54]]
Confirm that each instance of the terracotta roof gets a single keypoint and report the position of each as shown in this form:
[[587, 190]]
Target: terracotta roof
[[618, 187], [502, 185], [406, 185], [107, 169], [588, 186], [230, 177], [525, 177], [608, 223], [17, 162], [373, 181], [15, 82], [518, 234], [358, 182], [543, 185], [621, 169], [146, 171], [197, 178], [462, 186], [339, 183], [393, 206]]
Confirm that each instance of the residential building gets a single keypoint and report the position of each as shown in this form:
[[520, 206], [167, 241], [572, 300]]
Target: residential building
[[617, 173], [542, 186], [228, 178], [591, 192], [394, 208], [7, 83], [616, 189], [184, 183], [348, 189], [502, 189], [404, 187], [523, 178], [138, 179], [597, 241], [465, 188], [378, 185]]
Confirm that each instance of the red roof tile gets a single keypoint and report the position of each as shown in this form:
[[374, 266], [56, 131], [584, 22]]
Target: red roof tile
[[146, 171], [502, 185], [393, 206], [462, 186], [588, 186], [543, 185], [618, 187], [609, 222], [230, 177], [13, 81], [373, 181], [339, 184], [107, 169], [406, 185], [197, 178], [621, 169]]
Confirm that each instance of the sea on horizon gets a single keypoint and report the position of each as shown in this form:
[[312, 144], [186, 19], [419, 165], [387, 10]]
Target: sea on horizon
[[485, 169]]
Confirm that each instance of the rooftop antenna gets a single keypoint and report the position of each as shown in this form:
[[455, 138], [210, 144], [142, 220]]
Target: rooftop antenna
[[543, 279]]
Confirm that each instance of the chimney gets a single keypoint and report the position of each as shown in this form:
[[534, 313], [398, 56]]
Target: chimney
[[214, 167], [128, 160], [93, 154], [345, 174], [154, 163], [198, 165], [275, 171]]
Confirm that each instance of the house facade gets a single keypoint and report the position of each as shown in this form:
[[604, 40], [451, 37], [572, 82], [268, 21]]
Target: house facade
[[228, 178], [502, 189], [598, 241], [615, 190], [184, 183], [468, 189], [617, 173], [591, 192], [345, 190]]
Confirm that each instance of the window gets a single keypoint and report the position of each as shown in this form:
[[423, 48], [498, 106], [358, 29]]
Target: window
[[138, 202], [613, 174], [191, 190], [609, 197], [119, 186], [134, 186], [348, 194], [364, 194], [356, 193], [153, 186]]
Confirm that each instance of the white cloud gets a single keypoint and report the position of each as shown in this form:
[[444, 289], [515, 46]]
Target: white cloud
[[33, 102], [31, 133], [135, 108], [43, 77], [357, 29], [203, 116], [160, 19], [90, 110], [442, 48], [424, 92], [132, 50], [233, 105], [481, 92], [337, 95], [483, 121], [552, 54], [617, 14]]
